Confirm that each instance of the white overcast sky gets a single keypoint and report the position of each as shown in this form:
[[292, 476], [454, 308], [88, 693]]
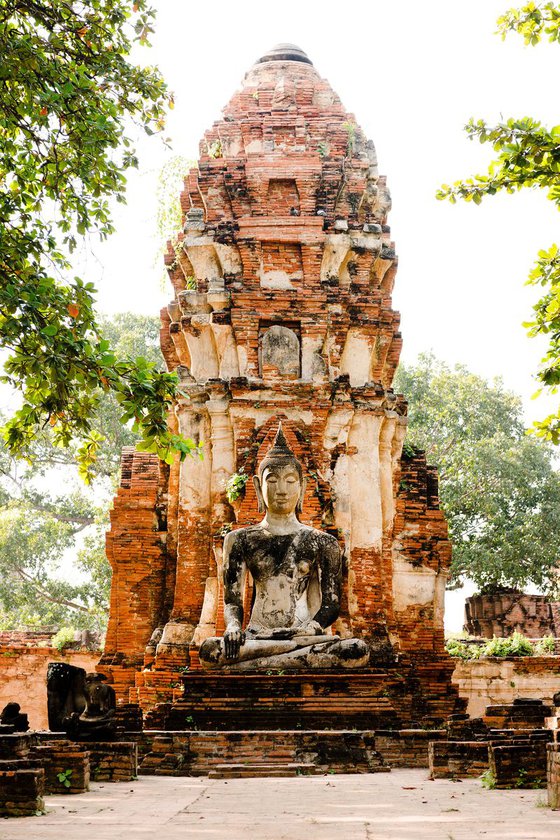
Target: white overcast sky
[[412, 73]]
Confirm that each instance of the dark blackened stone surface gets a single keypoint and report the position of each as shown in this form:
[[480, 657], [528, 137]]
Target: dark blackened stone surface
[[12, 716], [65, 693]]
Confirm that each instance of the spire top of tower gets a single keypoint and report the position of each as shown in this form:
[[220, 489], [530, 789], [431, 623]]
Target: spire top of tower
[[285, 52]]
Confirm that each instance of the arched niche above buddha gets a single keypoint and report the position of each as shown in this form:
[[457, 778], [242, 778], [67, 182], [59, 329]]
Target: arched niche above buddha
[[280, 351]]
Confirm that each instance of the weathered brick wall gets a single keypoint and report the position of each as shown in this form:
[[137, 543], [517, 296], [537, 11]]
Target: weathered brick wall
[[422, 558], [23, 677], [136, 550], [70, 760], [490, 681], [113, 761]]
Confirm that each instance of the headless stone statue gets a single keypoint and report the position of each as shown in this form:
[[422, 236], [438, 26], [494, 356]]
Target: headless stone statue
[[97, 721], [297, 574]]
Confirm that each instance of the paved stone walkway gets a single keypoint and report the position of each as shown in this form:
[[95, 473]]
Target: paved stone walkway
[[401, 805]]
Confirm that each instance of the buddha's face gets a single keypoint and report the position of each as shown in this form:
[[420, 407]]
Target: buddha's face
[[281, 488]]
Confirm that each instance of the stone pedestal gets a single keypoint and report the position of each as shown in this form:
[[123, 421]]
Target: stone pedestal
[[371, 699]]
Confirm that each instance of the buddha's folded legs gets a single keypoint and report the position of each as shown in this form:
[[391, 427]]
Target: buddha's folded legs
[[300, 653]]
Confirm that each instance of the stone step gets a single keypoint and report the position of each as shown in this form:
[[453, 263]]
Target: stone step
[[239, 771]]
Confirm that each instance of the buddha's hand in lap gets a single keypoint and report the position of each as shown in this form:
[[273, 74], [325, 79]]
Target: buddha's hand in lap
[[311, 628], [234, 637]]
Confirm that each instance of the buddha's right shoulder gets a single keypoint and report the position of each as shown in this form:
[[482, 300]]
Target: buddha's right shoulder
[[239, 536]]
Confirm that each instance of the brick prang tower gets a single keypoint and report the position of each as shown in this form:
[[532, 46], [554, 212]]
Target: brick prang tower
[[282, 311]]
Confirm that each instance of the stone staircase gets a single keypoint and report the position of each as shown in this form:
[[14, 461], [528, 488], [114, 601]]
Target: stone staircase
[[263, 770], [258, 752]]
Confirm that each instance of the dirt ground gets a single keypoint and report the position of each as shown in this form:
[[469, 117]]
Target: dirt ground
[[401, 805]]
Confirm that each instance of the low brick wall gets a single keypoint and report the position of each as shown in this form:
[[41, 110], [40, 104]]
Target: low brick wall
[[113, 761], [517, 715], [23, 677], [70, 762], [21, 792], [15, 745], [109, 761], [493, 681], [519, 765], [457, 759], [406, 747]]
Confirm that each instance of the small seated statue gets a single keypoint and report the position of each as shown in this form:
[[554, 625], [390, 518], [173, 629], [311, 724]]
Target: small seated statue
[[297, 574], [12, 715]]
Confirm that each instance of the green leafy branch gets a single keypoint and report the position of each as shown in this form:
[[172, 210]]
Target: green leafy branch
[[527, 156], [532, 21]]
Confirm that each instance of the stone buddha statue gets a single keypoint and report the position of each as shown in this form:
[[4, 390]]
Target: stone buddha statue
[[97, 720], [297, 574]]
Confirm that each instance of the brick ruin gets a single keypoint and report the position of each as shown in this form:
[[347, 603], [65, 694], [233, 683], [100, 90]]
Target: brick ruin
[[503, 613], [282, 310]]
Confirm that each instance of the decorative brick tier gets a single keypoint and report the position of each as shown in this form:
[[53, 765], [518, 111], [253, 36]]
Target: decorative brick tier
[[197, 753]]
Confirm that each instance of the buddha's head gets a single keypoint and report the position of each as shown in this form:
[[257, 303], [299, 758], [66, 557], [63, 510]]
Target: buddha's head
[[280, 484]]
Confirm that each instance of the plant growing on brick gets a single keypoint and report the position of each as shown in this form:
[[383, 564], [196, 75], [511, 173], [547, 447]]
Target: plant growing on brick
[[544, 646], [488, 780], [63, 638], [235, 485], [64, 777]]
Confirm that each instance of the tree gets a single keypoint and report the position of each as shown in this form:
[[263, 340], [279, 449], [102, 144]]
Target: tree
[[51, 527], [68, 102], [528, 156], [169, 213], [498, 487]]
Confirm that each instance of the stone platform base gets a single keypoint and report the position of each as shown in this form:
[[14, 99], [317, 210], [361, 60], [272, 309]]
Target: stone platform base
[[198, 753], [415, 692], [392, 698]]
